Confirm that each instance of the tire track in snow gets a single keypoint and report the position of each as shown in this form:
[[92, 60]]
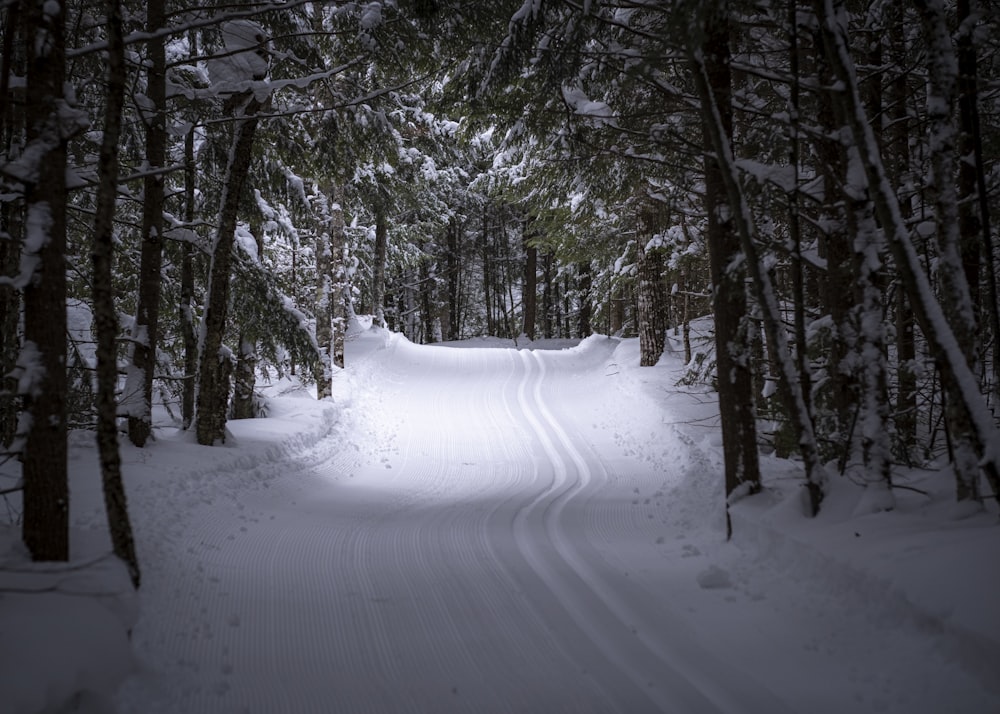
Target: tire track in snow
[[598, 609], [683, 660], [446, 583]]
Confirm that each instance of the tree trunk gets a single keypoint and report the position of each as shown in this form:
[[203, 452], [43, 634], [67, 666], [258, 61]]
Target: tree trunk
[[547, 290], [529, 298], [215, 365], [11, 222], [729, 304], [139, 385], [188, 332], [378, 277], [487, 258], [897, 136], [585, 283], [323, 369], [871, 371], [794, 220], [651, 299], [50, 122], [338, 297], [245, 380], [105, 315], [955, 255], [454, 262]]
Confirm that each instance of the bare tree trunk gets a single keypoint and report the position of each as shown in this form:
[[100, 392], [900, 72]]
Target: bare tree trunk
[[215, 366], [338, 297], [651, 299], [547, 291], [11, 221], [50, 122], [187, 289], [529, 299], [245, 380], [323, 308], [378, 277], [139, 385], [735, 387], [897, 136], [954, 254], [105, 315], [454, 262], [585, 283], [794, 221]]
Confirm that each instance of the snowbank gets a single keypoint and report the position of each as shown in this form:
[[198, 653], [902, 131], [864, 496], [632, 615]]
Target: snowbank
[[917, 569], [64, 628]]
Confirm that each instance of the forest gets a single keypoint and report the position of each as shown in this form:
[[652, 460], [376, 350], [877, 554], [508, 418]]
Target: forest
[[195, 198]]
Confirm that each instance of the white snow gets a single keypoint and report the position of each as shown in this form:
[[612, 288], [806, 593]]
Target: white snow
[[504, 530]]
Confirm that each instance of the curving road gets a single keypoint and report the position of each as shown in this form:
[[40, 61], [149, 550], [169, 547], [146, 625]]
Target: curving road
[[470, 551]]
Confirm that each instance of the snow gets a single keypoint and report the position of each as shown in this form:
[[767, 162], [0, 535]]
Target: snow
[[582, 105], [498, 529], [246, 57]]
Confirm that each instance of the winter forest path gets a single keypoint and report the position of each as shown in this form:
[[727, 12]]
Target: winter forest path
[[477, 548]]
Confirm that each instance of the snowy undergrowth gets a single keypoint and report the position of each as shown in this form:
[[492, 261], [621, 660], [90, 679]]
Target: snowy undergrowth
[[916, 574], [64, 628]]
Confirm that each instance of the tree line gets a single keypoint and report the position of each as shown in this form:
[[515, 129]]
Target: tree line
[[196, 197]]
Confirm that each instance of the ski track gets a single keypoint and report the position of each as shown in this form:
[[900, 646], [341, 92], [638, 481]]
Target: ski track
[[456, 561]]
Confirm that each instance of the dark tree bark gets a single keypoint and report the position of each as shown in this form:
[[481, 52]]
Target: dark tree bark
[[794, 219], [835, 248], [530, 294], [105, 315], [548, 272], [957, 253], [11, 221], [216, 363], [378, 277], [340, 286], [454, 263], [897, 147], [188, 332], [585, 280], [50, 122], [139, 388], [729, 302]]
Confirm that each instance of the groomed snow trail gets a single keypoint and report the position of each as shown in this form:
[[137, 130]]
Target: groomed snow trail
[[458, 555]]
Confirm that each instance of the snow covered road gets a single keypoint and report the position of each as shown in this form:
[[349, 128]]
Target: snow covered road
[[486, 533], [459, 559]]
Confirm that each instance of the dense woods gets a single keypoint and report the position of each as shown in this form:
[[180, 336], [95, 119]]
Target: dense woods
[[197, 198]]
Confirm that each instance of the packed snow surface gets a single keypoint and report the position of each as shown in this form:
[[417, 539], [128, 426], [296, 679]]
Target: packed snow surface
[[532, 530]]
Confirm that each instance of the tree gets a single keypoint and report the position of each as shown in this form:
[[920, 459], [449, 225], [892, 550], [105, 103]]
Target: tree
[[144, 333], [215, 368], [710, 77], [51, 120], [105, 317], [966, 405], [734, 383], [11, 219]]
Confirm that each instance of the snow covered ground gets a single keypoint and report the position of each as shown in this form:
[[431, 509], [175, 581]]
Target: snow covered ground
[[503, 530]]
